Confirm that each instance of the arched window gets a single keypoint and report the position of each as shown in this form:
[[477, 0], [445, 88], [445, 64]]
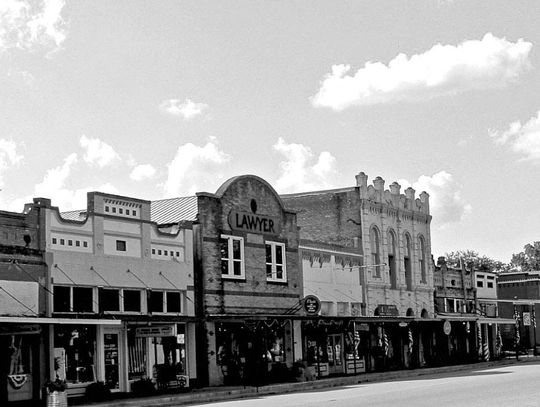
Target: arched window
[[407, 262], [391, 238], [422, 259], [375, 250]]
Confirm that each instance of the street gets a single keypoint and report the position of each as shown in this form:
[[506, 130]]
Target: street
[[515, 385]]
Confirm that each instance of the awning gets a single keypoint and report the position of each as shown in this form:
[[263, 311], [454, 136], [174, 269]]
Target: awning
[[507, 321], [59, 321]]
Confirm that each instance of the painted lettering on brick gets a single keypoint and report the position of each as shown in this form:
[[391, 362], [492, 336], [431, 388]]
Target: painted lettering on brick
[[254, 223]]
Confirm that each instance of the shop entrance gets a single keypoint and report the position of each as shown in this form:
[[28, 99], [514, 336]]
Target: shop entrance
[[112, 359], [335, 353]]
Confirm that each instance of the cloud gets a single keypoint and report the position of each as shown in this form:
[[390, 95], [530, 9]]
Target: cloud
[[28, 25], [187, 109], [98, 152], [299, 172], [8, 157], [523, 139], [443, 70], [445, 200], [195, 168], [142, 171], [54, 186]]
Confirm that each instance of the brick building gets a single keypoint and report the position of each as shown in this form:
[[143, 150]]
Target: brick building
[[23, 299], [391, 232], [519, 297], [247, 280]]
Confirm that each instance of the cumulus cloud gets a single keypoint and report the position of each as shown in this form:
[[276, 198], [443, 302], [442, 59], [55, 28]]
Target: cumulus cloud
[[27, 25], [142, 171], [195, 168], [523, 139], [301, 170], [8, 157], [54, 186], [186, 109], [97, 152], [445, 200], [442, 70]]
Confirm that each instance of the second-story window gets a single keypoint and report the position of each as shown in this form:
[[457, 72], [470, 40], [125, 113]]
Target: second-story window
[[232, 256], [121, 245], [275, 262], [375, 251]]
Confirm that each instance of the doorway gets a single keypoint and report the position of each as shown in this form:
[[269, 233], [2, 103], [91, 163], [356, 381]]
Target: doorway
[[112, 360]]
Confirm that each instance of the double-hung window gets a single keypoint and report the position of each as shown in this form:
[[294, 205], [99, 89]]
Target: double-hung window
[[232, 257], [275, 262]]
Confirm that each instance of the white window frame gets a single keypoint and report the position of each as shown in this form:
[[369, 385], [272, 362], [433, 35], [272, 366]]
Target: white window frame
[[274, 265], [230, 274]]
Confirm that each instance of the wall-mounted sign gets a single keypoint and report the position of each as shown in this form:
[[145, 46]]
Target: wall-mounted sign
[[447, 327], [155, 331], [253, 223], [386, 310], [312, 305], [526, 319]]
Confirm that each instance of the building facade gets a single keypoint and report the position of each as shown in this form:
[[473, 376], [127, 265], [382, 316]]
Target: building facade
[[23, 296], [391, 232], [519, 298], [121, 295]]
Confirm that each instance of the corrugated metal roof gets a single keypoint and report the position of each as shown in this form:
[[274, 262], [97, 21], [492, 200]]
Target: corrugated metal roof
[[74, 215], [174, 210]]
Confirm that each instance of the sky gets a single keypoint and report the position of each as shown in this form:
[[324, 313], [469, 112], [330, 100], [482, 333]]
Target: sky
[[157, 99]]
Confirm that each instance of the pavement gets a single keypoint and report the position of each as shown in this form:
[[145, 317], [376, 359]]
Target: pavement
[[221, 393]]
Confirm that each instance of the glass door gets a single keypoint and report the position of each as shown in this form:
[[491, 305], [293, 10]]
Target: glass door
[[111, 356], [335, 353]]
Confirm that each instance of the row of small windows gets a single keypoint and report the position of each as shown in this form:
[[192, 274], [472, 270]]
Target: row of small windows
[[163, 252], [120, 211], [69, 242], [81, 299], [232, 259]]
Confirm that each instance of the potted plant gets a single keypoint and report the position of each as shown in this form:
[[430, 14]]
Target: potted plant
[[56, 393]]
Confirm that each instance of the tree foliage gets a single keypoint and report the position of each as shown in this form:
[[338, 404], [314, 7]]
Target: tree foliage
[[473, 259], [528, 259]]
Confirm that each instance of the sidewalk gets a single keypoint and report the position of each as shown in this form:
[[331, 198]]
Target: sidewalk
[[210, 394]]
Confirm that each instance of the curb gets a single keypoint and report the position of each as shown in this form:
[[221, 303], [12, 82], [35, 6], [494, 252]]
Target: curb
[[217, 394]]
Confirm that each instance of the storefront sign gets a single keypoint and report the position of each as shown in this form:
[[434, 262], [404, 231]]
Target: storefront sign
[[386, 310], [312, 305], [447, 327], [362, 327], [526, 319], [250, 222], [155, 331]]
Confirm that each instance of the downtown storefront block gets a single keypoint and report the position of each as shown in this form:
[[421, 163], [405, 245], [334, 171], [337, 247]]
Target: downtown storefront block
[[121, 296]]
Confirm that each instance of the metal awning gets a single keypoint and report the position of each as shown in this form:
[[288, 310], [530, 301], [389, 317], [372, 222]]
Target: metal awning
[[59, 321]]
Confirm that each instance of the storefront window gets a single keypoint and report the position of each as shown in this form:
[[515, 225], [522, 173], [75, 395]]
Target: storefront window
[[137, 355], [75, 347], [168, 356]]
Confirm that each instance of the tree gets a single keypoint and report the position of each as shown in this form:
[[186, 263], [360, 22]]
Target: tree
[[473, 259], [528, 259]]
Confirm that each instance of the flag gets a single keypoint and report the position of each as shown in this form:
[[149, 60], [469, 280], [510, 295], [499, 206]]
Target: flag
[[411, 341], [499, 344], [485, 352], [479, 340], [517, 337], [385, 343]]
